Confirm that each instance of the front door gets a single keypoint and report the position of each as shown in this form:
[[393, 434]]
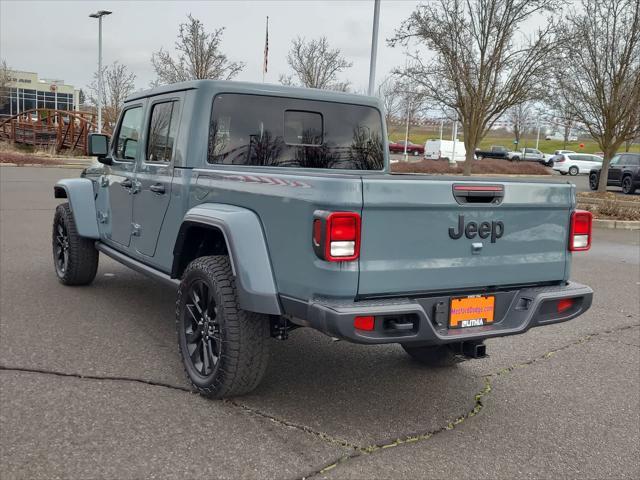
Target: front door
[[117, 185], [155, 174]]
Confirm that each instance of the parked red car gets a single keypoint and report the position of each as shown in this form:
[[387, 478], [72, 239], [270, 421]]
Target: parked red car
[[412, 148]]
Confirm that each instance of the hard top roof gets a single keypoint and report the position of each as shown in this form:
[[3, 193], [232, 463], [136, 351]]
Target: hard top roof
[[225, 86]]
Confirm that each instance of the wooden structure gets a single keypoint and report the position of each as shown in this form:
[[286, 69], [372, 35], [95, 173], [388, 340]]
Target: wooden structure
[[49, 127]]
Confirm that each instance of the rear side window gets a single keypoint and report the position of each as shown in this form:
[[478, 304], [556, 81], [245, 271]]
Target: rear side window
[[163, 126], [287, 132], [126, 147], [632, 160]]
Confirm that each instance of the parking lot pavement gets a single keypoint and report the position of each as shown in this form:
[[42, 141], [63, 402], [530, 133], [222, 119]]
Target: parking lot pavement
[[92, 386]]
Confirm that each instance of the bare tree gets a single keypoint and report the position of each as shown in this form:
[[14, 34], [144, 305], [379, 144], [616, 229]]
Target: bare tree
[[119, 83], [601, 80], [520, 116], [199, 56], [564, 120], [5, 78], [481, 65], [391, 98], [315, 65]]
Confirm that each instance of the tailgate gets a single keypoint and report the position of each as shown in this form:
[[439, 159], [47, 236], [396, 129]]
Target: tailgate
[[412, 241]]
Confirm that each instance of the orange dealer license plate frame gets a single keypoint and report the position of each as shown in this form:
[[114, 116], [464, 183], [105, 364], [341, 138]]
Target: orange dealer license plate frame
[[472, 311]]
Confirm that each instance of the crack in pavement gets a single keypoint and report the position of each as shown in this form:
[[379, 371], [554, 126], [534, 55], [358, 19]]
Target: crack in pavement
[[356, 450], [279, 421], [477, 407]]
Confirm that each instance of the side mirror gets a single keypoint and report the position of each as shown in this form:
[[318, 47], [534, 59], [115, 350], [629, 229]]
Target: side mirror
[[98, 146]]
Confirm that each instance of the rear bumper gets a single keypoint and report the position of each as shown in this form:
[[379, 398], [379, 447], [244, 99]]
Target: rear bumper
[[424, 321]]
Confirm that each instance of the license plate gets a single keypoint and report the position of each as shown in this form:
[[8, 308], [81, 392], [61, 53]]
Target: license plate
[[472, 311]]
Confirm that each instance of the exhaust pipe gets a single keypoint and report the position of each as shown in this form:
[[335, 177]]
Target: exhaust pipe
[[474, 349]]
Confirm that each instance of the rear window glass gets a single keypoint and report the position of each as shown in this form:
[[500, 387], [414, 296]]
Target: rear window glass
[[287, 132], [302, 128]]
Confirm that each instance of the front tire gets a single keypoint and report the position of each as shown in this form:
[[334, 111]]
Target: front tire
[[593, 181], [75, 258], [224, 349], [627, 185], [433, 356], [573, 171]]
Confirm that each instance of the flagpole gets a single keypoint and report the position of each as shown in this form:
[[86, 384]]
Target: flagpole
[[266, 51]]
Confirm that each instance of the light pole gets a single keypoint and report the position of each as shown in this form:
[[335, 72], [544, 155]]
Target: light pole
[[406, 132], [454, 134], [99, 14], [374, 46]]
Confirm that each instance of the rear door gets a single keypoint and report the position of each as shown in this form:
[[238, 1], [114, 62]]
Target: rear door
[[591, 162], [155, 172], [417, 236]]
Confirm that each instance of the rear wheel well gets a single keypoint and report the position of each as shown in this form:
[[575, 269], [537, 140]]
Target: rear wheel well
[[196, 240]]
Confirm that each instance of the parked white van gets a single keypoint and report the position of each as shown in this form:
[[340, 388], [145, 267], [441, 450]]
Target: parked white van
[[443, 150]]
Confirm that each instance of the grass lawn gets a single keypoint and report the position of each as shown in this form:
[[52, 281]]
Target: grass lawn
[[421, 134]]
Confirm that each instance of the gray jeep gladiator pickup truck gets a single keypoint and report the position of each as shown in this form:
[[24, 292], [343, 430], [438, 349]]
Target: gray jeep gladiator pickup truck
[[271, 208]]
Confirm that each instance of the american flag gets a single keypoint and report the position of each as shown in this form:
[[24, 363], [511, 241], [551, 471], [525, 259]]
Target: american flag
[[266, 50]]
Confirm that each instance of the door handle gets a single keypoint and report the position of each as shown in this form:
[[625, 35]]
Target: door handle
[[126, 183], [157, 188]]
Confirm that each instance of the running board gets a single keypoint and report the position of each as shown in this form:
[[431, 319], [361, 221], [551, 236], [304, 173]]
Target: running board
[[136, 265]]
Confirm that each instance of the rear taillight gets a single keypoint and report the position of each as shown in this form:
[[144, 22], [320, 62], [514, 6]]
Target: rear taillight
[[336, 236], [580, 231]]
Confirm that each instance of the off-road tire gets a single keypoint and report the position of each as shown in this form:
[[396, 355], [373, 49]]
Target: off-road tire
[[433, 356], [243, 337], [573, 171], [594, 178], [81, 263], [627, 185]]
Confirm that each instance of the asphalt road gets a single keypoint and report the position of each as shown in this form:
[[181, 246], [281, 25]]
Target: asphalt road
[[91, 385]]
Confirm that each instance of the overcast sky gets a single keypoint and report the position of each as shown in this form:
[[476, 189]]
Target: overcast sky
[[57, 39]]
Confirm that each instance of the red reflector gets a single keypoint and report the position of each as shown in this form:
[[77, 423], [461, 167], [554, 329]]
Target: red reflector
[[565, 304], [364, 323], [343, 228]]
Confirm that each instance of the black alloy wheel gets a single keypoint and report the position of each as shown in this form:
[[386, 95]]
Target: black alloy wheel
[[202, 329], [61, 249], [627, 185]]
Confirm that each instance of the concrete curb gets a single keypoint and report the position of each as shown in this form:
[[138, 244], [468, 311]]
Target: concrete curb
[[40, 165], [616, 224]]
